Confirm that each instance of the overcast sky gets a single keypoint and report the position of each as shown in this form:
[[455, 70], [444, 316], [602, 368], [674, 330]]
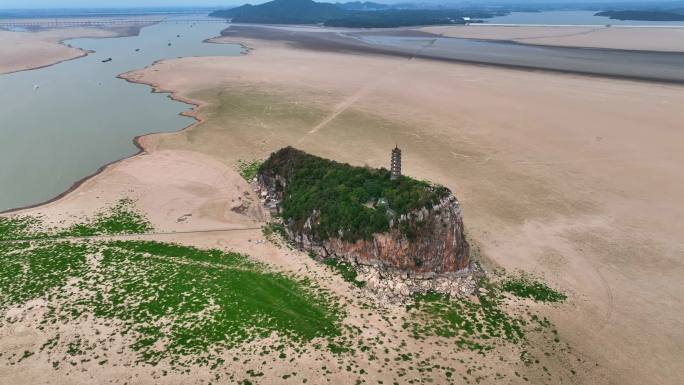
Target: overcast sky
[[8, 4]]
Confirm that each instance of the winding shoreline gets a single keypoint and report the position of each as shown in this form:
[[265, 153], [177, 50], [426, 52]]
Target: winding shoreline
[[83, 54], [137, 140], [133, 31]]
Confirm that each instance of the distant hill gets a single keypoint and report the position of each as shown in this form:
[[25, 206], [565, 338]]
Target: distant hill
[[354, 14], [643, 15], [363, 6], [283, 12], [400, 18]]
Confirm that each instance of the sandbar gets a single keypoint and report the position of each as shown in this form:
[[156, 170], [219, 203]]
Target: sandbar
[[623, 38]]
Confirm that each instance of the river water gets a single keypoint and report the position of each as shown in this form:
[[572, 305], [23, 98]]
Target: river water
[[61, 123], [571, 18]]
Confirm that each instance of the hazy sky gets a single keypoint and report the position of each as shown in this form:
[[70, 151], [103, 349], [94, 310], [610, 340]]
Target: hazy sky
[[169, 3], [114, 3]]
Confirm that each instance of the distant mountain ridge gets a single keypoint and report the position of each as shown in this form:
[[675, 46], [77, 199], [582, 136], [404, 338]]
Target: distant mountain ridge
[[363, 6], [644, 15], [352, 14], [283, 12]]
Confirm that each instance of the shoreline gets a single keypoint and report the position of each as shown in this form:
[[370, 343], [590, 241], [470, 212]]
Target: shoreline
[[133, 31], [137, 140], [83, 54]]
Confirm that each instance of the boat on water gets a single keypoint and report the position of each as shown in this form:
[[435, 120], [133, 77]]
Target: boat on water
[[107, 60]]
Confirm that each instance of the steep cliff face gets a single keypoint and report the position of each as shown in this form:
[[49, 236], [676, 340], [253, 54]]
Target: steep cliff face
[[423, 241], [437, 243]]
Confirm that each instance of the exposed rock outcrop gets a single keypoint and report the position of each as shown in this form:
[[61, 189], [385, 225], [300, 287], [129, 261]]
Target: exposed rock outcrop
[[421, 250], [437, 246], [393, 286]]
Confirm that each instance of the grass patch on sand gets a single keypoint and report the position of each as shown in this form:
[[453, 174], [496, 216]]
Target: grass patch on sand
[[19, 227], [274, 231], [240, 118], [169, 302], [121, 218], [481, 325], [475, 326], [345, 270], [195, 301], [525, 286], [31, 270], [248, 169]]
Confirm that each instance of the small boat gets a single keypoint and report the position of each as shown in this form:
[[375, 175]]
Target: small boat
[[169, 44], [107, 60], [137, 50], [36, 87], [177, 35]]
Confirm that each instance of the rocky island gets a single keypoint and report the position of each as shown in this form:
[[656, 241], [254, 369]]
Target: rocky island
[[386, 227]]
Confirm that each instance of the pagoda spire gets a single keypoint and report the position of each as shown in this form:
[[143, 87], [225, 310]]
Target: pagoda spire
[[395, 163]]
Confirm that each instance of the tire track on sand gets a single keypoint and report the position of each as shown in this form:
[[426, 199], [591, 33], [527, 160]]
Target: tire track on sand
[[358, 95], [611, 299]]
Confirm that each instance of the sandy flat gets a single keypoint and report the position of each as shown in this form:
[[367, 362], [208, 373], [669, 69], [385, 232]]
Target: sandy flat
[[646, 39], [196, 199], [20, 51], [578, 179]]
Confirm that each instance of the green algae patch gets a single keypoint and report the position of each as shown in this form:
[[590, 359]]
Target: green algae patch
[[525, 286]]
